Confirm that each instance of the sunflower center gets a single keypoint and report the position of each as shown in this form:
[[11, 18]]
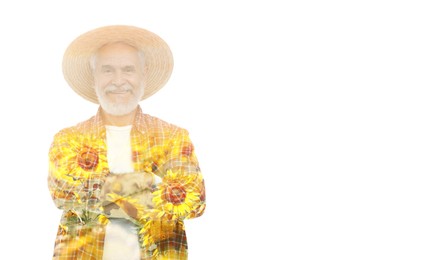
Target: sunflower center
[[88, 158], [176, 194]]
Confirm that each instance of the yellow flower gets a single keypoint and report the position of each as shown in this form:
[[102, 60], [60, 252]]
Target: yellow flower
[[178, 195], [147, 155], [139, 152], [155, 230], [156, 158], [77, 157], [158, 232], [85, 242]]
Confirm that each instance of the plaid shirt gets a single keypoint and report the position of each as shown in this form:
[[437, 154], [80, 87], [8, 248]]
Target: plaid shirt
[[77, 172]]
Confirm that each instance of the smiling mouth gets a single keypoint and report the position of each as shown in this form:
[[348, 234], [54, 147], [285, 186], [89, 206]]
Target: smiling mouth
[[118, 92]]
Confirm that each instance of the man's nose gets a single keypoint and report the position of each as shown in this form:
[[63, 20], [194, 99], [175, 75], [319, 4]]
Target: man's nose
[[118, 79]]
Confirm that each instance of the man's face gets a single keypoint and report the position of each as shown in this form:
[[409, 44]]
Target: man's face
[[118, 75]]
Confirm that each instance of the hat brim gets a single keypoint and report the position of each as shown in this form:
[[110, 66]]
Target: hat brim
[[76, 60]]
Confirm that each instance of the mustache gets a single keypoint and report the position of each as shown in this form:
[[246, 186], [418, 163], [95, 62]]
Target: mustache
[[114, 88]]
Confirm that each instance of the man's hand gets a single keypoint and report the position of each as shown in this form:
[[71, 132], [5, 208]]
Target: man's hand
[[134, 189], [126, 184]]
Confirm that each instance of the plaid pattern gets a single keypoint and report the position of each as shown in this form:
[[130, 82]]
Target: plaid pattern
[[77, 173]]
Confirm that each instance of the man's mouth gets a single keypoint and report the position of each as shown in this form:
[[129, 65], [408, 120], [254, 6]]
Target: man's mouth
[[118, 92]]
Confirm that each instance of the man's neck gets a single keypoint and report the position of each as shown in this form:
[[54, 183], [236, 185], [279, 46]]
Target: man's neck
[[114, 120]]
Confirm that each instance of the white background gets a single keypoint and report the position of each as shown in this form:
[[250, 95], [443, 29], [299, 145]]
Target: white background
[[317, 124]]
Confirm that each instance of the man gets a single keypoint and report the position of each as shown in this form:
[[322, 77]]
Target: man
[[124, 180]]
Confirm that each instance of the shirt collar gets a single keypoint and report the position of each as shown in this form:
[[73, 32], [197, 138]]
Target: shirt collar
[[140, 123]]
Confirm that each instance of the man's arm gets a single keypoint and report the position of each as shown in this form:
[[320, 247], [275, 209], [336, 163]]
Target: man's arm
[[181, 195], [75, 167], [127, 195]]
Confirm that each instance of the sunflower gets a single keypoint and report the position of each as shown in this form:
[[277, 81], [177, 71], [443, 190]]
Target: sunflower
[[155, 229], [139, 148], [200, 208], [156, 158], [77, 157], [157, 234], [84, 244], [178, 195], [147, 155]]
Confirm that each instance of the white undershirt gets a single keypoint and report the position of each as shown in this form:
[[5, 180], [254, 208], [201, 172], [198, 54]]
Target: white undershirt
[[121, 240]]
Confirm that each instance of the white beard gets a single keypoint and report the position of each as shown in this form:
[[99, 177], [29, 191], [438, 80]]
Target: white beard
[[119, 109]]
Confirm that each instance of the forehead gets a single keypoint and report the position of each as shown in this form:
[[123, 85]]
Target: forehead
[[117, 52]]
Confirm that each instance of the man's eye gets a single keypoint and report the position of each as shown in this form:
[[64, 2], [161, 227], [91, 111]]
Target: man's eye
[[106, 69], [128, 69]]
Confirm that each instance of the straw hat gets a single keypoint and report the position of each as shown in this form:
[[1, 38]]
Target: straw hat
[[76, 61]]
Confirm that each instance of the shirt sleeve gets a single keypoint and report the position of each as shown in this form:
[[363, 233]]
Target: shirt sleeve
[[70, 186], [179, 192], [181, 195]]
